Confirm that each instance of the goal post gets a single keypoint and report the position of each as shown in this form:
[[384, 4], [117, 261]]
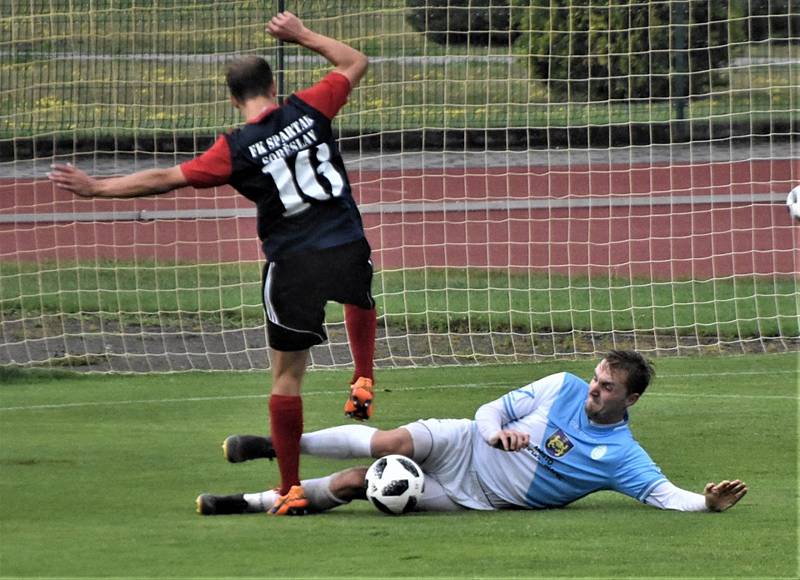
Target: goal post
[[537, 179]]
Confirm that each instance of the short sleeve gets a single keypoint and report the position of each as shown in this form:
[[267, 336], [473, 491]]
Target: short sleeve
[[524, 401], [329, 95], [637, 475], [211, 168]]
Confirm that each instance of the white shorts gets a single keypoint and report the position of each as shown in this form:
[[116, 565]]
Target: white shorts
[[448, 465]]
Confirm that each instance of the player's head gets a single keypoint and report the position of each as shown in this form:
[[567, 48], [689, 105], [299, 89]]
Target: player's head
[[249, 77], [618, 382], [639, 370]]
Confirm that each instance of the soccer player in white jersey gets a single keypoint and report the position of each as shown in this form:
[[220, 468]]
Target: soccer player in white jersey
[[544, 445]]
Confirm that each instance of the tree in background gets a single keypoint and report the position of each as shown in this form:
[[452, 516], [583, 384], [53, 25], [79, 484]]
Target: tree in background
[[758, 20], [600, 50], [473, 22], [595, 50]]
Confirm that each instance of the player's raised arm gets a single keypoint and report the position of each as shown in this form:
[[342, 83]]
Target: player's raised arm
[[141, 183], [348, 61]]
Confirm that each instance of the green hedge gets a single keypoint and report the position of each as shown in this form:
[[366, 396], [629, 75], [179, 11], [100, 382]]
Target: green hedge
[[612, 49]]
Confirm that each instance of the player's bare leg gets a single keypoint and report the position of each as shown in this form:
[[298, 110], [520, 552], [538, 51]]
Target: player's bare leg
[[395, 441], [349, 484]]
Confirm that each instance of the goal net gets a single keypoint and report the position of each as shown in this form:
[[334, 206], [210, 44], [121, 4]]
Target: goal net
[[537, 179]]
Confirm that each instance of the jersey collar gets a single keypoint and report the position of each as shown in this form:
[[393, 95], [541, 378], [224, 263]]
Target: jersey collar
[[260, 117], [599, 428]]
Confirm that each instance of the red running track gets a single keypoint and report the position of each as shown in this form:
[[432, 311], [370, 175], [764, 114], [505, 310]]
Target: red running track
[[692, 239]]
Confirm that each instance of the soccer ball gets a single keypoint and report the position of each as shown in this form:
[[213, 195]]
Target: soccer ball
[[394, 484], [793, 203]]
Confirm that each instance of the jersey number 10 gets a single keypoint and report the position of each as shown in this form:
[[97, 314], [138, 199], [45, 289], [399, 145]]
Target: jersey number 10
[[306, 177]]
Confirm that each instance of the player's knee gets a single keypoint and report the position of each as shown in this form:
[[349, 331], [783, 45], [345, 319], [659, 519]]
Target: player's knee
[[288, 369], [396, 441]]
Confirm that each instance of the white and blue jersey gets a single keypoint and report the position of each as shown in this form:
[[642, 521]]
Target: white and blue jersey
[[568, 456]]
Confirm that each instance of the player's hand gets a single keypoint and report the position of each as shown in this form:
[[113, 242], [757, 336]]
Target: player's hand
[[510, 440], [72, 179], [286, 26], [723, 495]]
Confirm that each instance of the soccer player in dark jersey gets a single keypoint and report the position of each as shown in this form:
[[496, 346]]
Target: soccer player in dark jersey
[[285, 159]]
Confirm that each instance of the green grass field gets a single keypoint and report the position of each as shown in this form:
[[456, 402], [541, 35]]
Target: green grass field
[[98, 475]]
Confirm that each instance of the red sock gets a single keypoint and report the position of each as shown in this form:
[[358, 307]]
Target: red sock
[[286, 418], [361, 326]]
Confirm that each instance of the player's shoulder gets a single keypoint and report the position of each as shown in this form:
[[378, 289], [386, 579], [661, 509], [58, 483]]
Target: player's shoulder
[[573, 383], [238, 138], [558, 384], [298, 102], [232, 134], [333, 82], [572, 379], [327, 96]]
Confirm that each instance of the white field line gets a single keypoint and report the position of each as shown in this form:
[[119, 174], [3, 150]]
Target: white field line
[[405, 389]]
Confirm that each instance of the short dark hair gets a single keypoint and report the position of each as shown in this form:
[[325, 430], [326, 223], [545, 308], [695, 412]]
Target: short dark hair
[[248, 77], [640, 370]]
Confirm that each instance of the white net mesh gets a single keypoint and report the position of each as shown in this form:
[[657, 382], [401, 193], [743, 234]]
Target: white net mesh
[[548, 191]]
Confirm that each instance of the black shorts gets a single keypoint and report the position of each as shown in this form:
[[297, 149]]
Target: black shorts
[[296, 288]]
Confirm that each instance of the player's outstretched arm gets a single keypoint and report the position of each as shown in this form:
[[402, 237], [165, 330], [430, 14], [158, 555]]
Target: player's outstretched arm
[[716, 497], [348, 61], [141, 183], [724, 495]]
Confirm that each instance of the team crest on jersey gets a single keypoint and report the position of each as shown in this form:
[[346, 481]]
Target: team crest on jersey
[[558, 444]]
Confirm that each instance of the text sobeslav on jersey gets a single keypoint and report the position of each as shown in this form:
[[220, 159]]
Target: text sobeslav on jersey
[[293, 138]]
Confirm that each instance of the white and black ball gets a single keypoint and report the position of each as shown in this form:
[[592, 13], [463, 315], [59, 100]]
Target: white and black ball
[[394, 484], [793, 203]]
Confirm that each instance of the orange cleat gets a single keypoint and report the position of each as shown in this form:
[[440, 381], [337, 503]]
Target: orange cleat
[[293, 503], [359, 405]]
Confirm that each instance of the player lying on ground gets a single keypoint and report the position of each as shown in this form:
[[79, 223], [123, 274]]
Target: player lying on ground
[[286, 160], [544, 445]]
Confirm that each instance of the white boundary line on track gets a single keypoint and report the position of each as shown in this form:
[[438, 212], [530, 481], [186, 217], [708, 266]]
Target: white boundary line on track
[[407, 389], [502, 204]]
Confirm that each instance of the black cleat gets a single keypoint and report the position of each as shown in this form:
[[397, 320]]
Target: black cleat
[[239, 448], [221, 505]]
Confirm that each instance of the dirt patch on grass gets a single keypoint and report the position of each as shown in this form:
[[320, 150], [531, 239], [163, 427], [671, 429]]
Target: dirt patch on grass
[[95, 344]]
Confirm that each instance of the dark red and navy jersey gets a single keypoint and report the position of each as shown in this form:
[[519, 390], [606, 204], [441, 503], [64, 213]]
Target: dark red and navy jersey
[[287, 162]]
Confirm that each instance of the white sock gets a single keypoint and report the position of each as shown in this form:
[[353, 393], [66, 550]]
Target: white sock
[[260, 502], [317, 491], [343, 442]]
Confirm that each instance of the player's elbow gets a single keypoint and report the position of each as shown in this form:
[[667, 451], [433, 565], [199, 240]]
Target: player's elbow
[[172, 178], [357, 68], [157, 181]]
